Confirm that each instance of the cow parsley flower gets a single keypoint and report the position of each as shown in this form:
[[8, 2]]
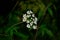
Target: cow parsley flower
[[30, 19]]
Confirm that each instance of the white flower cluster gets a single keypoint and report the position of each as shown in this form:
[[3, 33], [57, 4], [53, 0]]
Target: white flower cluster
[[30, 19]]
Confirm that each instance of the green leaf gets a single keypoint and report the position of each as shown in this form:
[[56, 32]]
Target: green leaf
[[50, 11], [11, 34], [13, 19], [40, 14], [10, 31], [17, 12], [11, 28], [42, 30], [23, 36], [49, 32]]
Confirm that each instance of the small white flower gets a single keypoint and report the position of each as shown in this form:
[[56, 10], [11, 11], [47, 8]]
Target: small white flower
[[28, 12], [35, 22], [35, 19], [31, 23], [33, 15], [28, 16], [31, 11], [24, 15], [28, 26], [27, 21], [24, 19], [34, 27]]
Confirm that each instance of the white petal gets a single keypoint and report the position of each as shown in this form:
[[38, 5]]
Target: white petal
[[35, 22], [34, 27], [24, 19], [35, 19], [28, 12], [24, 15], [33, 15], [28, 26], [27, 21], [28, 16], [31, 23], [31, 11]]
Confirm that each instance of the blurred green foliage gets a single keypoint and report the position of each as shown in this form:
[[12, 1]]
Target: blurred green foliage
[[15, 29]]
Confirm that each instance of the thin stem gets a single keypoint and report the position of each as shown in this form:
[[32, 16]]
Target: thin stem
[[11, 26], [15, 5], [16, 24]]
